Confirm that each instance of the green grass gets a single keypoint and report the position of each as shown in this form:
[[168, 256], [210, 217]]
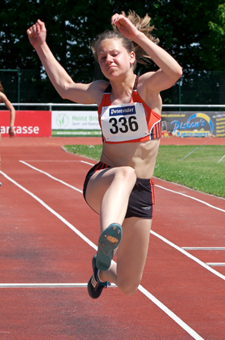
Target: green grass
[[200, 170], [195, 167], [90, 151]]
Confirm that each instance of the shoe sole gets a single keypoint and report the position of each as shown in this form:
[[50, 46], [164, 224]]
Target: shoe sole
[[108, 242]]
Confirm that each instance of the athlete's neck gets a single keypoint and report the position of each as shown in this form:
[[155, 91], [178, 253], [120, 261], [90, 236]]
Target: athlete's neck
[[121, 91]]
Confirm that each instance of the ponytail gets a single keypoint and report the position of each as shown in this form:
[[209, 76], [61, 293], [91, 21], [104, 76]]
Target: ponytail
[[142, 24]]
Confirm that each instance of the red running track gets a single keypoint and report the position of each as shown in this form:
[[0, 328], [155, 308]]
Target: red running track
[[48, 236]]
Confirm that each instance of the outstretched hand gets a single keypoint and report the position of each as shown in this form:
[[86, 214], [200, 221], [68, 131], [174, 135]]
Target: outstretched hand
[[37, 33], [124, 25]]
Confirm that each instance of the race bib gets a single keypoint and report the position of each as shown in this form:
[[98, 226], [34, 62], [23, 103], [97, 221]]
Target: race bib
[[124, 122]]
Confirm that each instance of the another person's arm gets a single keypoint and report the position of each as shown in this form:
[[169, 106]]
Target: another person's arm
[[10, 107]]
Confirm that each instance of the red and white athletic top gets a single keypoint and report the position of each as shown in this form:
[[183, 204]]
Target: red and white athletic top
[[128, 123]]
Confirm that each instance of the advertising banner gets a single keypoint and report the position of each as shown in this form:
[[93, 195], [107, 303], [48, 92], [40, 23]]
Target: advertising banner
[[194, 124], [75, 123], [27, 123]]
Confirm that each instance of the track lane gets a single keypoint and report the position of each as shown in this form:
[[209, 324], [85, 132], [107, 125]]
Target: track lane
[[164, 308], [173, 334], [32, 274], [174, 192]]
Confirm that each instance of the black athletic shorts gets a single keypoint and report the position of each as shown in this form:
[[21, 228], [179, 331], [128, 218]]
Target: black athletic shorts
[[142, 197]]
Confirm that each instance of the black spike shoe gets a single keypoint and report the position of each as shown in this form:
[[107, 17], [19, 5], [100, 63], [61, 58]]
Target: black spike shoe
[[95, 287]]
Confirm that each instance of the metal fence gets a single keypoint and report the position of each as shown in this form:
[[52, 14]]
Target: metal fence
[[194, 88], [73, 106], [182, 120]]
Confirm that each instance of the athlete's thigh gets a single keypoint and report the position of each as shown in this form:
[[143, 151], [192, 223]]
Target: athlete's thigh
[[97, 186], [133, 249]]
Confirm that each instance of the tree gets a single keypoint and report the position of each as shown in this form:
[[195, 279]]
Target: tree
[[192, 31], [216, 57], [217, 35]]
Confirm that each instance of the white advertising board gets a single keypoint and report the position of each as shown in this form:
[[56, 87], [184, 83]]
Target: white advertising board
[[75, 123]]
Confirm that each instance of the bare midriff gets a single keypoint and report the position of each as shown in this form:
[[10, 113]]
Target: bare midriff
[[140, 156]]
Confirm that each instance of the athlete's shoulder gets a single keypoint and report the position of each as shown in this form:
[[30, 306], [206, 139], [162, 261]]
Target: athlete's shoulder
[[145, 78], [100, 84], [98, 88]]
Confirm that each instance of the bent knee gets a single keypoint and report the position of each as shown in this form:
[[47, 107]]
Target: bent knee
[[127, 174], [128, 289]]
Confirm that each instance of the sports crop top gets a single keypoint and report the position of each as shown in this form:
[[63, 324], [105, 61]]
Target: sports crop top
[[128, 123]]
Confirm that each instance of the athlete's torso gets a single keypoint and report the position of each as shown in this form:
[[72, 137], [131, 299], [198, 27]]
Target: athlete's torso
[[128, 123], [131, 134]]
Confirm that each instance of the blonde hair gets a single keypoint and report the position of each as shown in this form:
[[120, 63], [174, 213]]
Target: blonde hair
[[142, 24]]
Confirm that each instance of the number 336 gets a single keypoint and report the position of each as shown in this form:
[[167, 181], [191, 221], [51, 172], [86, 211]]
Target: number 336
[[123, 124]]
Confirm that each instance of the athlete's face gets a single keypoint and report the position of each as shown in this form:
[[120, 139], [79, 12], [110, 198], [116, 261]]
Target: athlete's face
[[113, 58]]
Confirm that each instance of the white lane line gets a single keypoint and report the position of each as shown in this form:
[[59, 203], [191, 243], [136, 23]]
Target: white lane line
[[176, 192], [203, 248], [159, 186], [51, 161], [143, 290], [221, 159], [42, 285], [195, 149], [191, 197], [173, 316], [52, 177], [204, 265], [52, 211], [216, 264], [46, 285], [157, 235], [87, 163]]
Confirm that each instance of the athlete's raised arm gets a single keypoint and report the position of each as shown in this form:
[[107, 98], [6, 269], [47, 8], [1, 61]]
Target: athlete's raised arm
[[63, 83], [169, 69]]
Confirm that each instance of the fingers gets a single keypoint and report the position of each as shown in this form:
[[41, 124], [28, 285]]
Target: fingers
[[32, 31], [41, 25], [116, 18], [35, 29], [120, 21]]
